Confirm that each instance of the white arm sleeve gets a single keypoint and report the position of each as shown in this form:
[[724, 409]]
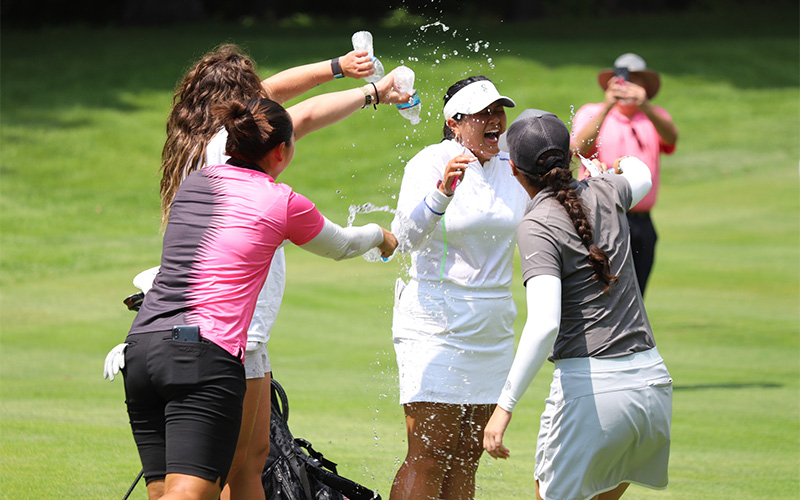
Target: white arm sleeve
[[338, 243], [538, 336], [413, 232], [420, 204], [638, 176]]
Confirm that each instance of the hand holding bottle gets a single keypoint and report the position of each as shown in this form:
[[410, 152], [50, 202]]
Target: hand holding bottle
[[362, 41], [404, 82]]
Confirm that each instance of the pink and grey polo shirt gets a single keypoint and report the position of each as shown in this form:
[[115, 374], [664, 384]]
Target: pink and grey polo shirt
[[224, 227]]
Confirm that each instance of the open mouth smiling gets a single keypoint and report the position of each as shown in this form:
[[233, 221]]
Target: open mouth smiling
[[492, 137]]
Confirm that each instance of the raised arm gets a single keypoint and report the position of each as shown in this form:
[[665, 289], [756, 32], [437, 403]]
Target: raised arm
[[426, 191], [663, 123], [320, 111], [584, 137], [296, 81], [638, 176]]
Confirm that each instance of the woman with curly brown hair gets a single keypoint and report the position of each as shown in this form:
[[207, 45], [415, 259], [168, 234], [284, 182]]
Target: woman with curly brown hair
[[606, 423], [227, 74], [195, 138]]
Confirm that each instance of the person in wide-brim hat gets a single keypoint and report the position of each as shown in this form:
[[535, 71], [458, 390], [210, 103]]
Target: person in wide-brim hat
[[627, 123], [637, 68]]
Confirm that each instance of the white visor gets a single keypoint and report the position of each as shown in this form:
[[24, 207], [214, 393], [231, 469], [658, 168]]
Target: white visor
[[474, 98]]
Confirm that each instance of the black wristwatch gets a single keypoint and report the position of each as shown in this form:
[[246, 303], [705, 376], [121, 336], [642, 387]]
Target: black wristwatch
[[336, 68]]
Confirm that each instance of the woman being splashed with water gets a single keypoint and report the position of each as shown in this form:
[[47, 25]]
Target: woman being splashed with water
[[456, 214]]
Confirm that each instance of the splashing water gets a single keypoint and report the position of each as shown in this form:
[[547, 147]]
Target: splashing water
[[373, 254], [366, 208], [402, 228], [437, 23], [429, 43], [434, 44]]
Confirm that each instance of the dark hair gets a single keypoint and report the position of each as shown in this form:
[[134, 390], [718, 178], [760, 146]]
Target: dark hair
[[552, 170], [254, 127], [447, 132], [222, 75]]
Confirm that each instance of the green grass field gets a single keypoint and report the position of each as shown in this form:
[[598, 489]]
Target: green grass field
[[81, 130]]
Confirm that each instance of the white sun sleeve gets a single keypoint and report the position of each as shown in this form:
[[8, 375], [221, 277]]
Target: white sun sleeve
[[339, 243], [543, 294], [638, 176]]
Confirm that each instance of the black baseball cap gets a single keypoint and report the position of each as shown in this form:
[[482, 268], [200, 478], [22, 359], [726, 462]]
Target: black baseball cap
[[533, 133]]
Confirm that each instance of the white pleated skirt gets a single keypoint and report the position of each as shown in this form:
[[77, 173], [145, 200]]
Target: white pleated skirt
[[453, 344]]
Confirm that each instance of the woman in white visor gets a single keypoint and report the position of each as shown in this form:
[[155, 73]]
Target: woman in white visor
[[457, 212]]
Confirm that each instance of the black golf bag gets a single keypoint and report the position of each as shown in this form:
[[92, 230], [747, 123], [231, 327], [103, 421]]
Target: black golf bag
[[296, 471]]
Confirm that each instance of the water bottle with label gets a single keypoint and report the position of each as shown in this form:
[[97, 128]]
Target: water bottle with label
[[362, 40], [404, 82]]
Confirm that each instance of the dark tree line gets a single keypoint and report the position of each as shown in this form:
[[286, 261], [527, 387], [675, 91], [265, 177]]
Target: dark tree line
[[37, 13]]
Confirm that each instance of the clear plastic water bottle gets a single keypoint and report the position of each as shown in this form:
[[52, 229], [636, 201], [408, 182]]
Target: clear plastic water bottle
[[404, 81], [362, 40], [374, 255]]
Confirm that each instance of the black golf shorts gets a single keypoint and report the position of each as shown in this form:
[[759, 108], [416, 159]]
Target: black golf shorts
[[185, 405]]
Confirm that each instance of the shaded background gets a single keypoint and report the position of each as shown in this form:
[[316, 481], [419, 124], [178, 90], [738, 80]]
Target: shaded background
[[31, 14]]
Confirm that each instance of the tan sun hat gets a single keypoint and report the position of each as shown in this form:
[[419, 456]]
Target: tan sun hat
[[636, 66]]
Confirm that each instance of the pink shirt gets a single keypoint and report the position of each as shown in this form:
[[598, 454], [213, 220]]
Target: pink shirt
[[225, 224], [621, 136]]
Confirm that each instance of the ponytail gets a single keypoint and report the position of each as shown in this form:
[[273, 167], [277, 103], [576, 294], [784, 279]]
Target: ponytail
[[254, 127]]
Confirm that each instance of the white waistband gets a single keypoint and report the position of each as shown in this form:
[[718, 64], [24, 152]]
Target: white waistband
[[458, 291]]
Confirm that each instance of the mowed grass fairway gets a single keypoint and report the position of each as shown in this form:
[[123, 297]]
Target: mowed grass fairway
[[81, 130]]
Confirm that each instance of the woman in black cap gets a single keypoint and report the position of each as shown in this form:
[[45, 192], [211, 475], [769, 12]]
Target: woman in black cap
[[606, 423]]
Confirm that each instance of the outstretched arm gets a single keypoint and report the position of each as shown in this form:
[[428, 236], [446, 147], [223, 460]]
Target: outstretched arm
[[538, 336], [320, 111], [338, 243], [296, 81]]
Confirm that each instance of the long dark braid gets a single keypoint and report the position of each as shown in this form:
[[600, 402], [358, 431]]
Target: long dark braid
[[557, 176]]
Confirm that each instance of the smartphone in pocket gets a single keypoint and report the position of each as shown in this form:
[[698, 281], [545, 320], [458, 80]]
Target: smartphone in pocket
[[186, 333]]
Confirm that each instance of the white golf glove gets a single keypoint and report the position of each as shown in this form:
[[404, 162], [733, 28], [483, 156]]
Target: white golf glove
[[115, 361], [144, 280]]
